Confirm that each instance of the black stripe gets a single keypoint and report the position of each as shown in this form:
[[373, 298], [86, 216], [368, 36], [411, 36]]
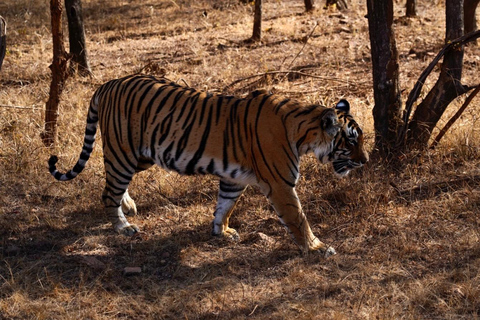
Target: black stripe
[[129, 109], [306, 111], [260, 107], [291, 184], [204, 105], [280, 104], [198, 154], [166, 154], [232, 122], [230, 187], [226, 143], [211, 167], [192, 110], [219, 108], [126, 176], [292, 162], [143, 123], [187, 104], [183, 141]]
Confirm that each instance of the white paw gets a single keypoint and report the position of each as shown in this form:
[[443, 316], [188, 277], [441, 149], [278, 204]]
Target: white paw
[[330, 252], [127, 229]]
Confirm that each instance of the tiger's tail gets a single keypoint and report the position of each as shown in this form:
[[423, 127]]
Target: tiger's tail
[[88, 144]]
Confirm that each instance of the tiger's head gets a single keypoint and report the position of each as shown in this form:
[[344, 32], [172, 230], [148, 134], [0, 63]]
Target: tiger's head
[[348, 150]]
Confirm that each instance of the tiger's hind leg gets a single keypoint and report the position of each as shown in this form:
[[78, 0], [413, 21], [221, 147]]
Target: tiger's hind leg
[[128, 205], [228, 195], [117, 201]]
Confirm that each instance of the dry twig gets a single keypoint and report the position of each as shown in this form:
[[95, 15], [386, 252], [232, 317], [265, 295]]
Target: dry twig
[[33, 107], [455, 117], [263, 74]]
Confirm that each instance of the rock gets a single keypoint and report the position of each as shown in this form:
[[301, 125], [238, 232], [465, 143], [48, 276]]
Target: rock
[[132, 271]]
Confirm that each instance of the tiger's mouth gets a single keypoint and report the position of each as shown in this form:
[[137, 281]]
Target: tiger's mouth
[[343, 167]]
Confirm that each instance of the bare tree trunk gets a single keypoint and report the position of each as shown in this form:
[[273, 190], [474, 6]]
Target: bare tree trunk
[[3, 40], [59, 74], [411, 8], [76, 37], [448, 85], [257, 21], [309, 5], [470, 6], [386, 112]]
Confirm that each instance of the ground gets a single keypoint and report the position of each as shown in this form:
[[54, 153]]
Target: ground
[[407, 238]]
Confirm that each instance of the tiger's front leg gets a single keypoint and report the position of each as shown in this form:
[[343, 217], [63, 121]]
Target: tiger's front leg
[[289, 210], [228, 195]]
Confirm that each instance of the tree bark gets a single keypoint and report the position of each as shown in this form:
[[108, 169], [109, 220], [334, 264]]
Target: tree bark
[[59, 74], [3, 40], [257, 21], [470, 6], [386, 112], [76, 37], [448, 85], [411, 8], [309, 5]]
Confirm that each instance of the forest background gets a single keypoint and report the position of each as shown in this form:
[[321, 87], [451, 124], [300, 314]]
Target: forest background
[[407, 239]]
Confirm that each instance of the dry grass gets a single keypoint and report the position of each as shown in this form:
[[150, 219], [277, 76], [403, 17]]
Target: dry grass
[[402, 254]]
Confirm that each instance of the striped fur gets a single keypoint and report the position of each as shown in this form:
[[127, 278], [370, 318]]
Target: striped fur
[[256, 140]]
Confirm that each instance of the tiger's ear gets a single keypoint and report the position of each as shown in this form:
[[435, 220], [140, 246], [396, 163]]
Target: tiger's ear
[[343, 105], [329, 122]]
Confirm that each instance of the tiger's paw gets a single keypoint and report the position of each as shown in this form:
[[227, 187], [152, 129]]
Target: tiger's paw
[[127, 229], [319, 246], [330, 252], [228, 233], [231, 234]]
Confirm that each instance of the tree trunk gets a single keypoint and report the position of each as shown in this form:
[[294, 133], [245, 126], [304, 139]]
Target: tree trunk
[[76, 37], [257, 21], [448, 85], [386, 112], [470, 6], [59, 74], [309, 5], [411, 8], [3, 40]]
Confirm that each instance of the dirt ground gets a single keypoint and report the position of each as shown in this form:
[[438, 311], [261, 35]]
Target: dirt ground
[[407, 238]]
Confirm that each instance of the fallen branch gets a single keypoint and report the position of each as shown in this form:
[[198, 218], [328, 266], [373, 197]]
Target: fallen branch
[[455, 117], [424, 190]]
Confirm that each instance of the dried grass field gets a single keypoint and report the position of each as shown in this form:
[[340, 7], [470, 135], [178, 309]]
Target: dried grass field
[[408, 240]]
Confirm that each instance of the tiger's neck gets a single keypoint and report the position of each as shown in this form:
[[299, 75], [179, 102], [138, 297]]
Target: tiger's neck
[[305, 132]]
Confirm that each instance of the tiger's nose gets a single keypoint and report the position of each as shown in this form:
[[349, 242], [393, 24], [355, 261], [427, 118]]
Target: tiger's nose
[[364, 159]]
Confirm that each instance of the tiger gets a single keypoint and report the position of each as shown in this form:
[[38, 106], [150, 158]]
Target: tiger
[[256, 140]]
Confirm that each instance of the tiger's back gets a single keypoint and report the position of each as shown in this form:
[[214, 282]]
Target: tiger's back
[[255, 140], [181, 129]]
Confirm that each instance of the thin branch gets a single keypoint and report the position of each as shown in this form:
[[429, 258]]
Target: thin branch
[[455, 117], [415, 93], [33, 107], [303, 74], [303, 47]]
